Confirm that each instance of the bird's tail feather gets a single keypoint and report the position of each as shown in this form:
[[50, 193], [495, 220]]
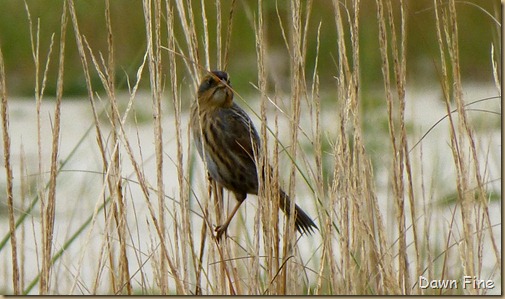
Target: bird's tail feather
[[303, 222]]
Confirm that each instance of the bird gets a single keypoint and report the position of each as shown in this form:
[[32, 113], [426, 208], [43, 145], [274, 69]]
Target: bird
[[226, 139]]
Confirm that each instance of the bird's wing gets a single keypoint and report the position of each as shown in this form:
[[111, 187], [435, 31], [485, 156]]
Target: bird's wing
[[242, 136]]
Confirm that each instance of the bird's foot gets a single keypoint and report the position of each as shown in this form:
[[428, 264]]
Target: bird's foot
[[220, 230]]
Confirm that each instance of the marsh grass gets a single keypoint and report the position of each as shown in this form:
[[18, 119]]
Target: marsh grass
[[139, 236]]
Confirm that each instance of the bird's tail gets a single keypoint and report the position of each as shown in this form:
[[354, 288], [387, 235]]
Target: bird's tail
[[303, 222]]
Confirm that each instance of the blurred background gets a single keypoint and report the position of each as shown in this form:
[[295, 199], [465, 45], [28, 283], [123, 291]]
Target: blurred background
[[477, 23]]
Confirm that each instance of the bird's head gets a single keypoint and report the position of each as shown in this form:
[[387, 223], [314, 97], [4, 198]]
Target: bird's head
[[215, 90]]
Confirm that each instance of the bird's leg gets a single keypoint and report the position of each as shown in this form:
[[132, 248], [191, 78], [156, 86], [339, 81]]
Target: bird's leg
[[221, 229]]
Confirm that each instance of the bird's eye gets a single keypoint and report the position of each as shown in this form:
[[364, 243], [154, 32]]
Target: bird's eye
[[206, 84]]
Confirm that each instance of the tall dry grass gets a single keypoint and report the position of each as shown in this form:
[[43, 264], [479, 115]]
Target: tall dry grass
[[169, 247], [8, 169]]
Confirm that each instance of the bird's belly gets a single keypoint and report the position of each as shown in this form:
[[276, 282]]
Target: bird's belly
[[241, 179], [213, 169]]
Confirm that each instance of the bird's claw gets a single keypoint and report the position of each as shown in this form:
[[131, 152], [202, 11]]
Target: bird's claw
[[220, 230]]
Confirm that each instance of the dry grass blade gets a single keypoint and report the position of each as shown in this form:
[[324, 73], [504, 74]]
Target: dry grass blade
[[153, 49], [266, 211], [4, 111], [89, 88], [188, 25], [115, 182], [463, 142], [48, 214], [398, 136], [153, 26]]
